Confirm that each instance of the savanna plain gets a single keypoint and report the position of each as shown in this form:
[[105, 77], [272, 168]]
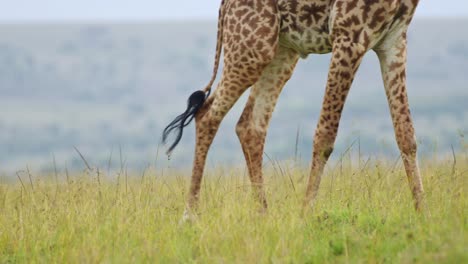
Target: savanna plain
[[363, 214]]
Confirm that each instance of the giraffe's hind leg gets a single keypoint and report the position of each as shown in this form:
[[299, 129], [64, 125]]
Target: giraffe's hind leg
[[253, 123], [392, 56], [208, 120], [246, 54]]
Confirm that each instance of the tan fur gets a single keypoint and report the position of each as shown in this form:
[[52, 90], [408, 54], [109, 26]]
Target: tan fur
[[262, 41]]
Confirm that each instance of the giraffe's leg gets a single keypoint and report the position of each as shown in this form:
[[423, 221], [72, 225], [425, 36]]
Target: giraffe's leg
[[392, 56], [207, 122], [253, 123], [246, 54], [346, 58]]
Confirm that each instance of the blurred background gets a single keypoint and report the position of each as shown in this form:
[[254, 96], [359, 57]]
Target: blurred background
[[105, 77]]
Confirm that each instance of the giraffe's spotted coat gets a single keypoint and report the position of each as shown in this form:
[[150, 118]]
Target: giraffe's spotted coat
[[262, 41]]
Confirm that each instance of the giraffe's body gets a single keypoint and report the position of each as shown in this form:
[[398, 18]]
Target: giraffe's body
[[307, 25], [262, 41]]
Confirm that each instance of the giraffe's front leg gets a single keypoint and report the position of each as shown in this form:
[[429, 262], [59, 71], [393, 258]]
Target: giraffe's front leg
[[392, 56], [345, 61], [253, 124]]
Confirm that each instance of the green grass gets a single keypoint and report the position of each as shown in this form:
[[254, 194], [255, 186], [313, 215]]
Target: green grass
[[363, 213]]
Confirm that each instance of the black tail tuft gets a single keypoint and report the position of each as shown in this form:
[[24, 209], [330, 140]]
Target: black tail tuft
[[194, 103]]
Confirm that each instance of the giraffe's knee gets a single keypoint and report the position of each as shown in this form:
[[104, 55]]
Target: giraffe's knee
[[327, 152], [406, 138], [323, 144], [324, 152], [244, 121], [243, 130], [408, 145], [248, 133]]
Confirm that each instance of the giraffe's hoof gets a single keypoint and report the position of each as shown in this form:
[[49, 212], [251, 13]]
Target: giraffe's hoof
[[188, 217], [262, 210], [421, 207], [307, 206]]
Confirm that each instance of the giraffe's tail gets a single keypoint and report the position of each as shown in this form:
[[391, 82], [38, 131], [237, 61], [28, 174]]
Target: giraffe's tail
[[219, 47], [198, 98], [195, 102]]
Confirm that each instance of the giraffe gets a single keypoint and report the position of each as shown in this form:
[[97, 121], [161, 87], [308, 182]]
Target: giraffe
[[262, 42]]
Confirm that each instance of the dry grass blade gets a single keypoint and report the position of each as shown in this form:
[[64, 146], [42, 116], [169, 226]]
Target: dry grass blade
[[83, 158], [21, 181]]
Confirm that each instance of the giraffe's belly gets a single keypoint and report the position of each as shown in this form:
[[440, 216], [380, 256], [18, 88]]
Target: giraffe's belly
[[305, 25], [306, 42]]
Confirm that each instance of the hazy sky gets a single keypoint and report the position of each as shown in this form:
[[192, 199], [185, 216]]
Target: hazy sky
[[46, 10]]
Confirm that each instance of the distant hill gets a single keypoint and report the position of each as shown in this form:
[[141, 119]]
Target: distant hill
[[107, 87]]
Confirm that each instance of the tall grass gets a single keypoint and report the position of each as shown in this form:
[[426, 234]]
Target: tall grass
[[364, 213]]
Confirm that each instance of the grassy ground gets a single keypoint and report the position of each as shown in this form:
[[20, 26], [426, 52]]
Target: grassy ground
[[364, 213]]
